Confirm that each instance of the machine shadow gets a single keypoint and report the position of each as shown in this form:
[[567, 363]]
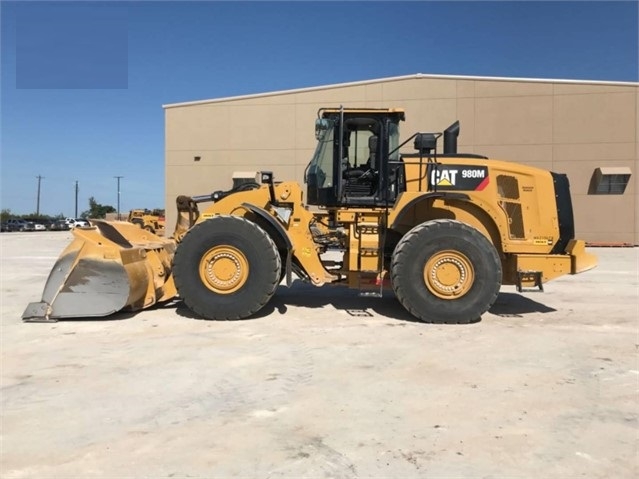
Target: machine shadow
[[516, 305], [119, 316], [304, 295], [342, 299], [307, 296]]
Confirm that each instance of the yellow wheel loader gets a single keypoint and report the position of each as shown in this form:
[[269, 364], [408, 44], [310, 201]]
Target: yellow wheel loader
[[152, 221], [444, 230]]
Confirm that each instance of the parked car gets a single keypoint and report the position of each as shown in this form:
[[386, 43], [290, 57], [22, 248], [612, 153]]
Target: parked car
[[29, 226], [39, 227], [47, 223], [60, 225], [81, 223], [15, 224]]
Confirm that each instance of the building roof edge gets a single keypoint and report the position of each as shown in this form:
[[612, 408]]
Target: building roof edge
[[399, 78]]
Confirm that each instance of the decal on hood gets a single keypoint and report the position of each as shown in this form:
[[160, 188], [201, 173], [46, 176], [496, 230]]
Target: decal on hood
[[458, 177]]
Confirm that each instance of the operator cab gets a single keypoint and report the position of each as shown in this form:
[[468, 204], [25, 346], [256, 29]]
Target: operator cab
[[351, 165]]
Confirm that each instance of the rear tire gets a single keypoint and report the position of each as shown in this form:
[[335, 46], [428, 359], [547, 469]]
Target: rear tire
[[149, 229], [226, 267], [444, 271]]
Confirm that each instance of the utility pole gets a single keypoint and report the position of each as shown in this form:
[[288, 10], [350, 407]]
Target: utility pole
[[76, 199], [118, 178], [38, 200]]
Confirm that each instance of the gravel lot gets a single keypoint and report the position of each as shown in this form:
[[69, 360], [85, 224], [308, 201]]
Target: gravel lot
[[323, 384]]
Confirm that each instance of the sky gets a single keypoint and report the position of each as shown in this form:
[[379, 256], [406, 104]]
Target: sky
[[83, 83]]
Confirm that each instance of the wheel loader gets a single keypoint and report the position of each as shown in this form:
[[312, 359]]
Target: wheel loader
[[443, 230], [152, 221]]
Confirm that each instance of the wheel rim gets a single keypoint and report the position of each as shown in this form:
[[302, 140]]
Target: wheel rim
[[224, 269], [449, 274]]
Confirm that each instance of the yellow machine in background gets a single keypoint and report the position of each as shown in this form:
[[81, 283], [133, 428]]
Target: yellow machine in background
[[153, 221], [443, 230]]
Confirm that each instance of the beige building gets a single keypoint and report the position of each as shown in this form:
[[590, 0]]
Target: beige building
[[588, 130]]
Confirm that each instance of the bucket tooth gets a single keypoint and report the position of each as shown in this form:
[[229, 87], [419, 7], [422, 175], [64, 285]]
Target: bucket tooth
[[37, 313]]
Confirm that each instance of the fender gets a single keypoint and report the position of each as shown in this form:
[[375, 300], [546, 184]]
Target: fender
[[428, 196], [278, 235], [485, 218]]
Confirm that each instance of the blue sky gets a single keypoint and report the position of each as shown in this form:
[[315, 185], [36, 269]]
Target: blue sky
[[83, 82]]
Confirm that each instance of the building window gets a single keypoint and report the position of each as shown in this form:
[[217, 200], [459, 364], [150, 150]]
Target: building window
[[609, 180]]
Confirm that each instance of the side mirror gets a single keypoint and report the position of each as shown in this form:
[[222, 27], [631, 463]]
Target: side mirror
[[321, 127]]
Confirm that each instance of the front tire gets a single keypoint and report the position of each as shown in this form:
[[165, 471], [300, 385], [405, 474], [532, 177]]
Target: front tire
[[444, 271], [226, 267]]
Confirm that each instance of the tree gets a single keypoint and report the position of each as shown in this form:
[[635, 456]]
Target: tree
[[5, 214], [96, 210]]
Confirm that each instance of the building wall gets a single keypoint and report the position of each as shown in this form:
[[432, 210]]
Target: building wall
[[565, 127]]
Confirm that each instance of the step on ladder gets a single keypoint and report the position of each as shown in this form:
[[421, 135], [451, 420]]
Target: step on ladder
[[534, 277], [361, 230], [369, 292]]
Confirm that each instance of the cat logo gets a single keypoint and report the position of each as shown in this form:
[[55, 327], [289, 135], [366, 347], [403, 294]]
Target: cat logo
[[459, 177], [443, 177]]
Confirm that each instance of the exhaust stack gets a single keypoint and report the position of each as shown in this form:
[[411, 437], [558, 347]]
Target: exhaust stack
[[450, 139]]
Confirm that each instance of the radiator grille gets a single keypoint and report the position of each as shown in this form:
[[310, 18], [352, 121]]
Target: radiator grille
[[508, 190], [515, 219], [508, 187]]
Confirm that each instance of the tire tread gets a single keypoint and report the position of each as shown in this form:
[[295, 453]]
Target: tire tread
[[407, 243], [271, 256]]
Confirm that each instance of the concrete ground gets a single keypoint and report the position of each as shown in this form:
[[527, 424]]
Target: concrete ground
[[323, 384]]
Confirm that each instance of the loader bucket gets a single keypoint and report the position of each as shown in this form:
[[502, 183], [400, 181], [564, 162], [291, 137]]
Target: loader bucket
[[109, 267]]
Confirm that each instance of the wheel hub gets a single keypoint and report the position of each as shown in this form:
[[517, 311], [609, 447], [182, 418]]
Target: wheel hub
[[449, 274], [224, 269]]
